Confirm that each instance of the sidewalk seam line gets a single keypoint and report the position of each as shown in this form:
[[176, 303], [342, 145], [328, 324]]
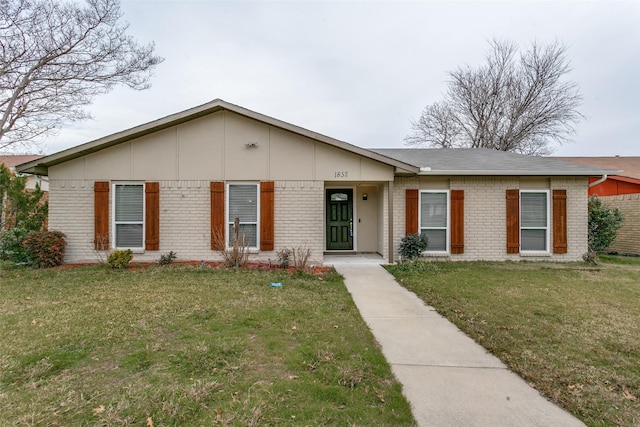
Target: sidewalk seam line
[[447, 366]]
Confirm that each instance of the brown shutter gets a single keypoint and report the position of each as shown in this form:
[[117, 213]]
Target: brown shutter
[[266, 216], [513, 221], [457, 221], [152, 216], [218, 238], [411, 225], [101, 215], [559, 221]]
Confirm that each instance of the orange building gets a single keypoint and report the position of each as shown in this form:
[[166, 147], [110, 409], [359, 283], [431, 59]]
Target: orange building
[[628, 182]]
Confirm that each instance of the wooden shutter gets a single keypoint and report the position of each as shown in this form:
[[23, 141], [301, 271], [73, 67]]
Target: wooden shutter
[[411, 224], [152, 216], [559, 221], [266, 216], [513, 221], [101, 215], [218, 238], [457, 221]]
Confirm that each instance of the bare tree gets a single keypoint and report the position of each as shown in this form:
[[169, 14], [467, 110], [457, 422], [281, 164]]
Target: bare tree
[[56, 57], [514, 103]]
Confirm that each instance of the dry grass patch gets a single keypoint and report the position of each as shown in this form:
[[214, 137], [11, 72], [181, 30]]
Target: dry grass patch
[[183, 345], [572, 331]]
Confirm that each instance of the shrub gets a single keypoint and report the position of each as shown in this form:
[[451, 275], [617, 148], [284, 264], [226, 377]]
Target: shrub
[[101, 248], [11, 248], [604, 223], [166, 259], [284, 257], [45, 249], [20, 208], [301, 257], [238, 254], [412, 246], [120, 259]]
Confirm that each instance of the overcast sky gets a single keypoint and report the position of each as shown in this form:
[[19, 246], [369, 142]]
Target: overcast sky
[[359, 71]]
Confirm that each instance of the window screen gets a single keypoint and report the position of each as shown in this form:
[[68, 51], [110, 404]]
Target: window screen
[[533, 221], [129, 215], [243, 204], [434, 219]]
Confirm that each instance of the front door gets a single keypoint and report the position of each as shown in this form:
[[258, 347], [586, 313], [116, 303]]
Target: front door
[[340, 219]]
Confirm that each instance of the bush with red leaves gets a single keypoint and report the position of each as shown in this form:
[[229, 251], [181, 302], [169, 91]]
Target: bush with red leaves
[[45, 248]]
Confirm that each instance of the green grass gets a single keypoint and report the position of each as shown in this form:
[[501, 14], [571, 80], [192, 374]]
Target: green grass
[[181, 345], [570, 330]]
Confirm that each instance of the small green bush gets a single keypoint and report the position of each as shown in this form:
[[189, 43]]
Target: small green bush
[[412, 246], [11, 248], [120, 259], [168, 258], [45, 249], [604, 223]]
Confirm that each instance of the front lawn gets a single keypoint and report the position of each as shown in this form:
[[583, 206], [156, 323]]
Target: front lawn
[[570, 330], [184, 345]]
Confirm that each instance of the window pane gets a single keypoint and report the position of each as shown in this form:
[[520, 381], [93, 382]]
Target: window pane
[[339, 197], [433, 210], [243, 203], [249, 231], [533, 209], [129, 203], [437, 239], [534, 240], [129, 235]]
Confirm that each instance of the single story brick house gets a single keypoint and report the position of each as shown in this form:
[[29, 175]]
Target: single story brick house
[[178, 183]]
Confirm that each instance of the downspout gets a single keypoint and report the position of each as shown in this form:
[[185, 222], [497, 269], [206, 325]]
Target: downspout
[[600, 181], [390, 220]]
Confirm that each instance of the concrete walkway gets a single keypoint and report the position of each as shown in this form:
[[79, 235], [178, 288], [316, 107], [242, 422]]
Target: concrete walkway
[[448, 378]]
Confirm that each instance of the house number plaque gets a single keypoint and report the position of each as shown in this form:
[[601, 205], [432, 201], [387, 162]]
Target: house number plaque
[[341, 174]]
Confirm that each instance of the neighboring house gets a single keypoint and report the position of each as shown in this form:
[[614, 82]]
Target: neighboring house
[[621, 190], [178, 183], [11, 161], [626, 180]]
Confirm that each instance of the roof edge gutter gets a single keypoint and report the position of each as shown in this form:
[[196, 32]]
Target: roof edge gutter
[[424, 172], [600, 181]]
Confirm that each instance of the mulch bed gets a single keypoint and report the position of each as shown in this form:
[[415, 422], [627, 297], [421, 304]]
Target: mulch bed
[[137, 266]]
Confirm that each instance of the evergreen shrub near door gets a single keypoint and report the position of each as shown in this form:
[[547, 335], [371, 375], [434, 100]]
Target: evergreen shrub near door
[[412, 246]]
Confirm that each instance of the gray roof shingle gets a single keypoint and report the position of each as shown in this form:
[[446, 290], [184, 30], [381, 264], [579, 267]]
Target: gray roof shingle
[[483, 161]]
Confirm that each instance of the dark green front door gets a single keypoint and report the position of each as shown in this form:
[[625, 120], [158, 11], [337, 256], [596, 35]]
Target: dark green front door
[[339, 219]]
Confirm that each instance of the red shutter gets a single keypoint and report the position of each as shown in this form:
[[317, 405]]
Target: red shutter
[[513, 221], [457, 221], [101, 216], [411, 225], [266, 216], [152, 216], [559, 221], [218, 238]]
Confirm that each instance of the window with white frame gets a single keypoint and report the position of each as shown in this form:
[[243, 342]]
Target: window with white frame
[[128, 215], [242, 202], [534, 221], [434, 219]]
